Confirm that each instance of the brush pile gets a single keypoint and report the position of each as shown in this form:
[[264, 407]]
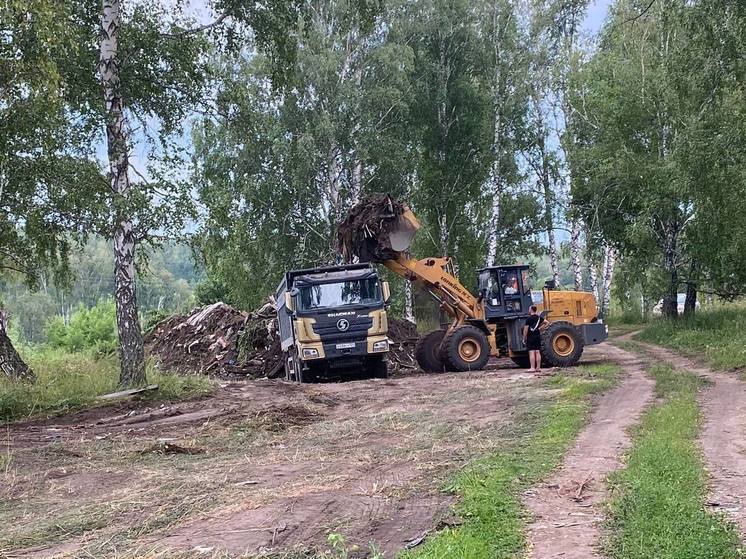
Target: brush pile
[[364, 233], [218, 340], [403, 337]]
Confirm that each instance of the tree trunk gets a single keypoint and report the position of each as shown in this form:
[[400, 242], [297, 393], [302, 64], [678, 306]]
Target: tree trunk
[[577, 270], [11, 364], [495, 180], [409, 302], [593, 278], [131, 351], [690, 303], [609, 264], [670, 307], [546, 185]]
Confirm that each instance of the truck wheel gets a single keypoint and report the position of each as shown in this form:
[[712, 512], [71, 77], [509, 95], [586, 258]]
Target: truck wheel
[[466, 349], [427, 352], [561, 344], [293, 367], [378, 368]]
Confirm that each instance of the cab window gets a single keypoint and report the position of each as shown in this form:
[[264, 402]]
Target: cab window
[[510, 283]]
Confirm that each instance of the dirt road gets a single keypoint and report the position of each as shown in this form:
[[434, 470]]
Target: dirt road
[[261, 465], [723, 440], [568, 509]]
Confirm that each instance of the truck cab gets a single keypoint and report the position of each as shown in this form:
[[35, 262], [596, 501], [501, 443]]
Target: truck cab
[[332, 321]]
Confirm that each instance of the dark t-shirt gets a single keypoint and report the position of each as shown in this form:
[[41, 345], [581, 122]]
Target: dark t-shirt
[[534, 332]]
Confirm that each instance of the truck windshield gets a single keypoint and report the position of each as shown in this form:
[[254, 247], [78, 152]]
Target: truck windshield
[[326, 295]]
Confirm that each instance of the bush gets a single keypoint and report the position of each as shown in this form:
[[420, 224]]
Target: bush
[[717, 334], [67, 381], [93, 329]]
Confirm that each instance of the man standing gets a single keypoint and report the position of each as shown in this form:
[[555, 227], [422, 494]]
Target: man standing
[[532, 338]]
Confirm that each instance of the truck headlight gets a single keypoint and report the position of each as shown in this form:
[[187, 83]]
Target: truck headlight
[[606, 327], [310, 352], [383, 345]]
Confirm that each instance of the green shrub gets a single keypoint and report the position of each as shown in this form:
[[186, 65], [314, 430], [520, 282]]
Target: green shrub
[[717, 334], [67, 381], [91, 329]]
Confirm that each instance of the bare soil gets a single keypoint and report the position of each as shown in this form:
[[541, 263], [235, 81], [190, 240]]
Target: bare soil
[[722, 439], [258, 466], [567, 509]]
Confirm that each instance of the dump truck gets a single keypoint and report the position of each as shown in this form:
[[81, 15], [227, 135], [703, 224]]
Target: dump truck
[[332, 321], [381, 229]]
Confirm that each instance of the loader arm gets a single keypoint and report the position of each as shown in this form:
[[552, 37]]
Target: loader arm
[[431, 275]]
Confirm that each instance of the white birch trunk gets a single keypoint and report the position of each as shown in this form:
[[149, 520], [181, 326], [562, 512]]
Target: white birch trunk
[[131, 351], [593, 278], [409, 302], [608, 277], [577, 265], [443, 234], [495, 178]]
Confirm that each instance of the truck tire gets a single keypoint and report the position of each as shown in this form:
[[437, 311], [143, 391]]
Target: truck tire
[[293, 367], [427, 352], [466, 349], [561, 344], [378, 367]]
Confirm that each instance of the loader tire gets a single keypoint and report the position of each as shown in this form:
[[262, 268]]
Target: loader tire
[[561, 345], [466, 349], [427, 352]]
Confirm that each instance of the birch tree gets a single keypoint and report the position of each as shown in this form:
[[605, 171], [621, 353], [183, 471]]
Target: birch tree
[[44, 158]]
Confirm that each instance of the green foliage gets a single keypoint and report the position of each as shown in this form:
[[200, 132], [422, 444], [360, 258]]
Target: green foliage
[[718, 335], [657, 508], [363, 111], [490, 489], [91, 329], [661, 105], [67, 381]]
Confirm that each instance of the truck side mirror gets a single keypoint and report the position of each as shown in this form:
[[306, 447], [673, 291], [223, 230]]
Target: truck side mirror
[[386, 289], [289, 303]]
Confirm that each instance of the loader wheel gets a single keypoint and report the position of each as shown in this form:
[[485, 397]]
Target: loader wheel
[[561, 344], [427, 352], [466, 349]]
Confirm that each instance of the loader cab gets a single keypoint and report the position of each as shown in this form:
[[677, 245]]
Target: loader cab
[[505, 291]]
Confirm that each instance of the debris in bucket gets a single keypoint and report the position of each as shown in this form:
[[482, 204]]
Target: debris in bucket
[[364, 233]]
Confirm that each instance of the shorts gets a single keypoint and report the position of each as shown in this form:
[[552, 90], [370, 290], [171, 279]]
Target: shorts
[[533, 344]]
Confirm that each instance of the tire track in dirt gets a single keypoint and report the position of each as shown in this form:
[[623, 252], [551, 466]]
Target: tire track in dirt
[[722, 438], [567, 508]]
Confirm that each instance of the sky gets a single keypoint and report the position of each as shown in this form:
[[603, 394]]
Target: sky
[[597, 11]]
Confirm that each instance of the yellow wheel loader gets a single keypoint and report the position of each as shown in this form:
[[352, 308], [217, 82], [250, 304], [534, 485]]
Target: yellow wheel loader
[[380, 229]]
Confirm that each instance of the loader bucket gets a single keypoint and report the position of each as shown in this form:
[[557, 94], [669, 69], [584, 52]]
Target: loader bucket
[[403, 231]]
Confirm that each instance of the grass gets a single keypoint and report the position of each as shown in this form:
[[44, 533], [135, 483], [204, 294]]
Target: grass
[[718, 335], [658, 508], [68, 381], [490, 488]]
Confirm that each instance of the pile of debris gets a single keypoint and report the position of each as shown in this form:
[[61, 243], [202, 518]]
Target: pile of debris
[[403, 337], [364, 233], [218, 340]]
